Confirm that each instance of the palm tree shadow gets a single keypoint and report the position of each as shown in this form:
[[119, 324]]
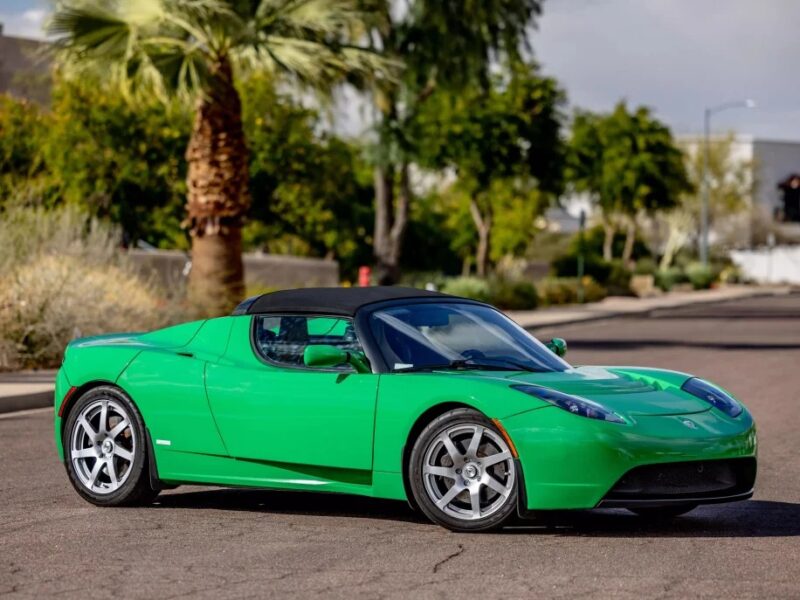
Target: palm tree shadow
[[754, 518]]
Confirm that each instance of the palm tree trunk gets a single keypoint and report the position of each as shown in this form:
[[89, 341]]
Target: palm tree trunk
[[218, 197]]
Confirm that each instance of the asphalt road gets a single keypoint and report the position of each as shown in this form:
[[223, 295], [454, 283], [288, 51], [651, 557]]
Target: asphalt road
[[209, 543]]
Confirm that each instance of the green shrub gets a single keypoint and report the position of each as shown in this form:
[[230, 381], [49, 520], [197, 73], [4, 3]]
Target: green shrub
[[593, 266], [513, 294], [468, 287], [420, 279], [731, 274], [700, 276], [618, 282], [645, 266], [554, 291], [667, 278]]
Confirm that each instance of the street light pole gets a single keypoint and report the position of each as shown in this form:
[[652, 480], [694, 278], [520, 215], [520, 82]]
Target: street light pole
[[704, 184]]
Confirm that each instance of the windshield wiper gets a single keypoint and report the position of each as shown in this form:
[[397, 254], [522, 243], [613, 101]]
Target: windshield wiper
[[471, 363]]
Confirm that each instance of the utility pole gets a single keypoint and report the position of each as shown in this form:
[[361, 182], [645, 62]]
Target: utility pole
[[704, 184]]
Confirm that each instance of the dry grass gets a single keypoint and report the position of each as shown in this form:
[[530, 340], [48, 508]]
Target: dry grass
[[61, 277]]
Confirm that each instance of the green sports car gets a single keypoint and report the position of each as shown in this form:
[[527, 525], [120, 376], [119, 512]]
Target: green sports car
[[393, 393]]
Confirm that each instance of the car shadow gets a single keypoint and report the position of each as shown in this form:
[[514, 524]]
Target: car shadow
[[753, 518], [291, 503]]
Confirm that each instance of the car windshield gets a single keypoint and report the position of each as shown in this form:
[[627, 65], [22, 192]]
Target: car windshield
[[457, 335]]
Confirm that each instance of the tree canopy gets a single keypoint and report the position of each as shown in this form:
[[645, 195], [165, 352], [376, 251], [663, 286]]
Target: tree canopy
[[628, 163], [504, 146]]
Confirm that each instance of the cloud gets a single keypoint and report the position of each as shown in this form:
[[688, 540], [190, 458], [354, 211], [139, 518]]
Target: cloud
[[27, 24], [34, 16], [678, 56]]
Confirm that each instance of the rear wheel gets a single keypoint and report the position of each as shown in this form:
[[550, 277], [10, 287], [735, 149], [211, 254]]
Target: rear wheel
[[106, 449], [661, 513], [462, 472]]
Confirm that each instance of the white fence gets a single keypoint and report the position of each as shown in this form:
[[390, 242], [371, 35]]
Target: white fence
[[769, 265]]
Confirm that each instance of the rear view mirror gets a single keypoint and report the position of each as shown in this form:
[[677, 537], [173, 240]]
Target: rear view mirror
[[325, 355], [558, 346]]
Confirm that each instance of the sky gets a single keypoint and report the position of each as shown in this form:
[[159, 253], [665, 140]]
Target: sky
[[676, 56]]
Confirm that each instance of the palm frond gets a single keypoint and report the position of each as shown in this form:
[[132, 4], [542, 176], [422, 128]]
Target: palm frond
[[172, 47], [312, 63], [86, 31], [306, 17]]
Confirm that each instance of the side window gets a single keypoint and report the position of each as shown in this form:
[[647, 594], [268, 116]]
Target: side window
[[283, 339]]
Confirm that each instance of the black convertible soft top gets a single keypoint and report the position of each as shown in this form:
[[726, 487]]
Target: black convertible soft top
[[330, 300]]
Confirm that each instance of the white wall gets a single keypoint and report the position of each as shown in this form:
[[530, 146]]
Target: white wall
[[778, 265]]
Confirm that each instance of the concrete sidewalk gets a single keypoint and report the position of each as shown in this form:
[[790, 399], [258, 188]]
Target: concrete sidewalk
[[616, 306], [34, 389], [26, 389]]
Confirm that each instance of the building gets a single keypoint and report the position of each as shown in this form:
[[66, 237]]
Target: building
[[24, 68], [775, 201]]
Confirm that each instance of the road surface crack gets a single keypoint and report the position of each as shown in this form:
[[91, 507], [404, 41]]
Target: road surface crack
[[448, 558]]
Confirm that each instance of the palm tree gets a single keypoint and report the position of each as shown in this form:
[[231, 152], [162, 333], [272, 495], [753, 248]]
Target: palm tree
[[193, 51]]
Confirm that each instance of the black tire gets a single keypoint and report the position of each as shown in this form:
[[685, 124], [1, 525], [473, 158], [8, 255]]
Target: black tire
[[427, 441], [135, 489], [662, 513]]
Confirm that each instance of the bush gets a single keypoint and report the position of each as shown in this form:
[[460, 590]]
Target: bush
[[593, 266], [731, 274], [667, 278], [468, 287], [700, 276], [62, 278], [513, 294], [564, 290], [645, 266], [618, 282]]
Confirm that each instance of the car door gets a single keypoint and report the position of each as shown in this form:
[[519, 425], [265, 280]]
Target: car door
[[270, 407]]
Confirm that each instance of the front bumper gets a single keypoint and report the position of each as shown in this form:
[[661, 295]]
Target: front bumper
[[571, 462]]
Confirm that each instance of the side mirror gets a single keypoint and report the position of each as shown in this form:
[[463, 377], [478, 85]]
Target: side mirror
[[558, 346], [325, 355]]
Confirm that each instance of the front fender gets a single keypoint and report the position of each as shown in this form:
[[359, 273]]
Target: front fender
[[404, 397]]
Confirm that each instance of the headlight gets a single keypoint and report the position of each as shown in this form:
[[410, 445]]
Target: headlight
[[713, 395], [577, 406]]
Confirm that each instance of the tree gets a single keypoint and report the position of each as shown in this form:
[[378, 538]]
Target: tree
[[629, 164], [504, 145], [730, 186], [312, 192], [124, 163], [91, 149], [23, 125], [194, 50], [445, 44]]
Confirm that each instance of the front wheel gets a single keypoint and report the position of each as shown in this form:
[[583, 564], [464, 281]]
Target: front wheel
[[106, 450], [462, 472]]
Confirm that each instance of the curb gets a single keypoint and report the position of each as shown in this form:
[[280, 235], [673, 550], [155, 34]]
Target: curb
[[599, 316], [26, 401]]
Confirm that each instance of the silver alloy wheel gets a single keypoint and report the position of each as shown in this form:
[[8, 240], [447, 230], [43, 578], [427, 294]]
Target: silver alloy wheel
[[468, 472], [103, 446]]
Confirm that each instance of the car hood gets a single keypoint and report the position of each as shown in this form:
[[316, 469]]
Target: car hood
[[625, 390]]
